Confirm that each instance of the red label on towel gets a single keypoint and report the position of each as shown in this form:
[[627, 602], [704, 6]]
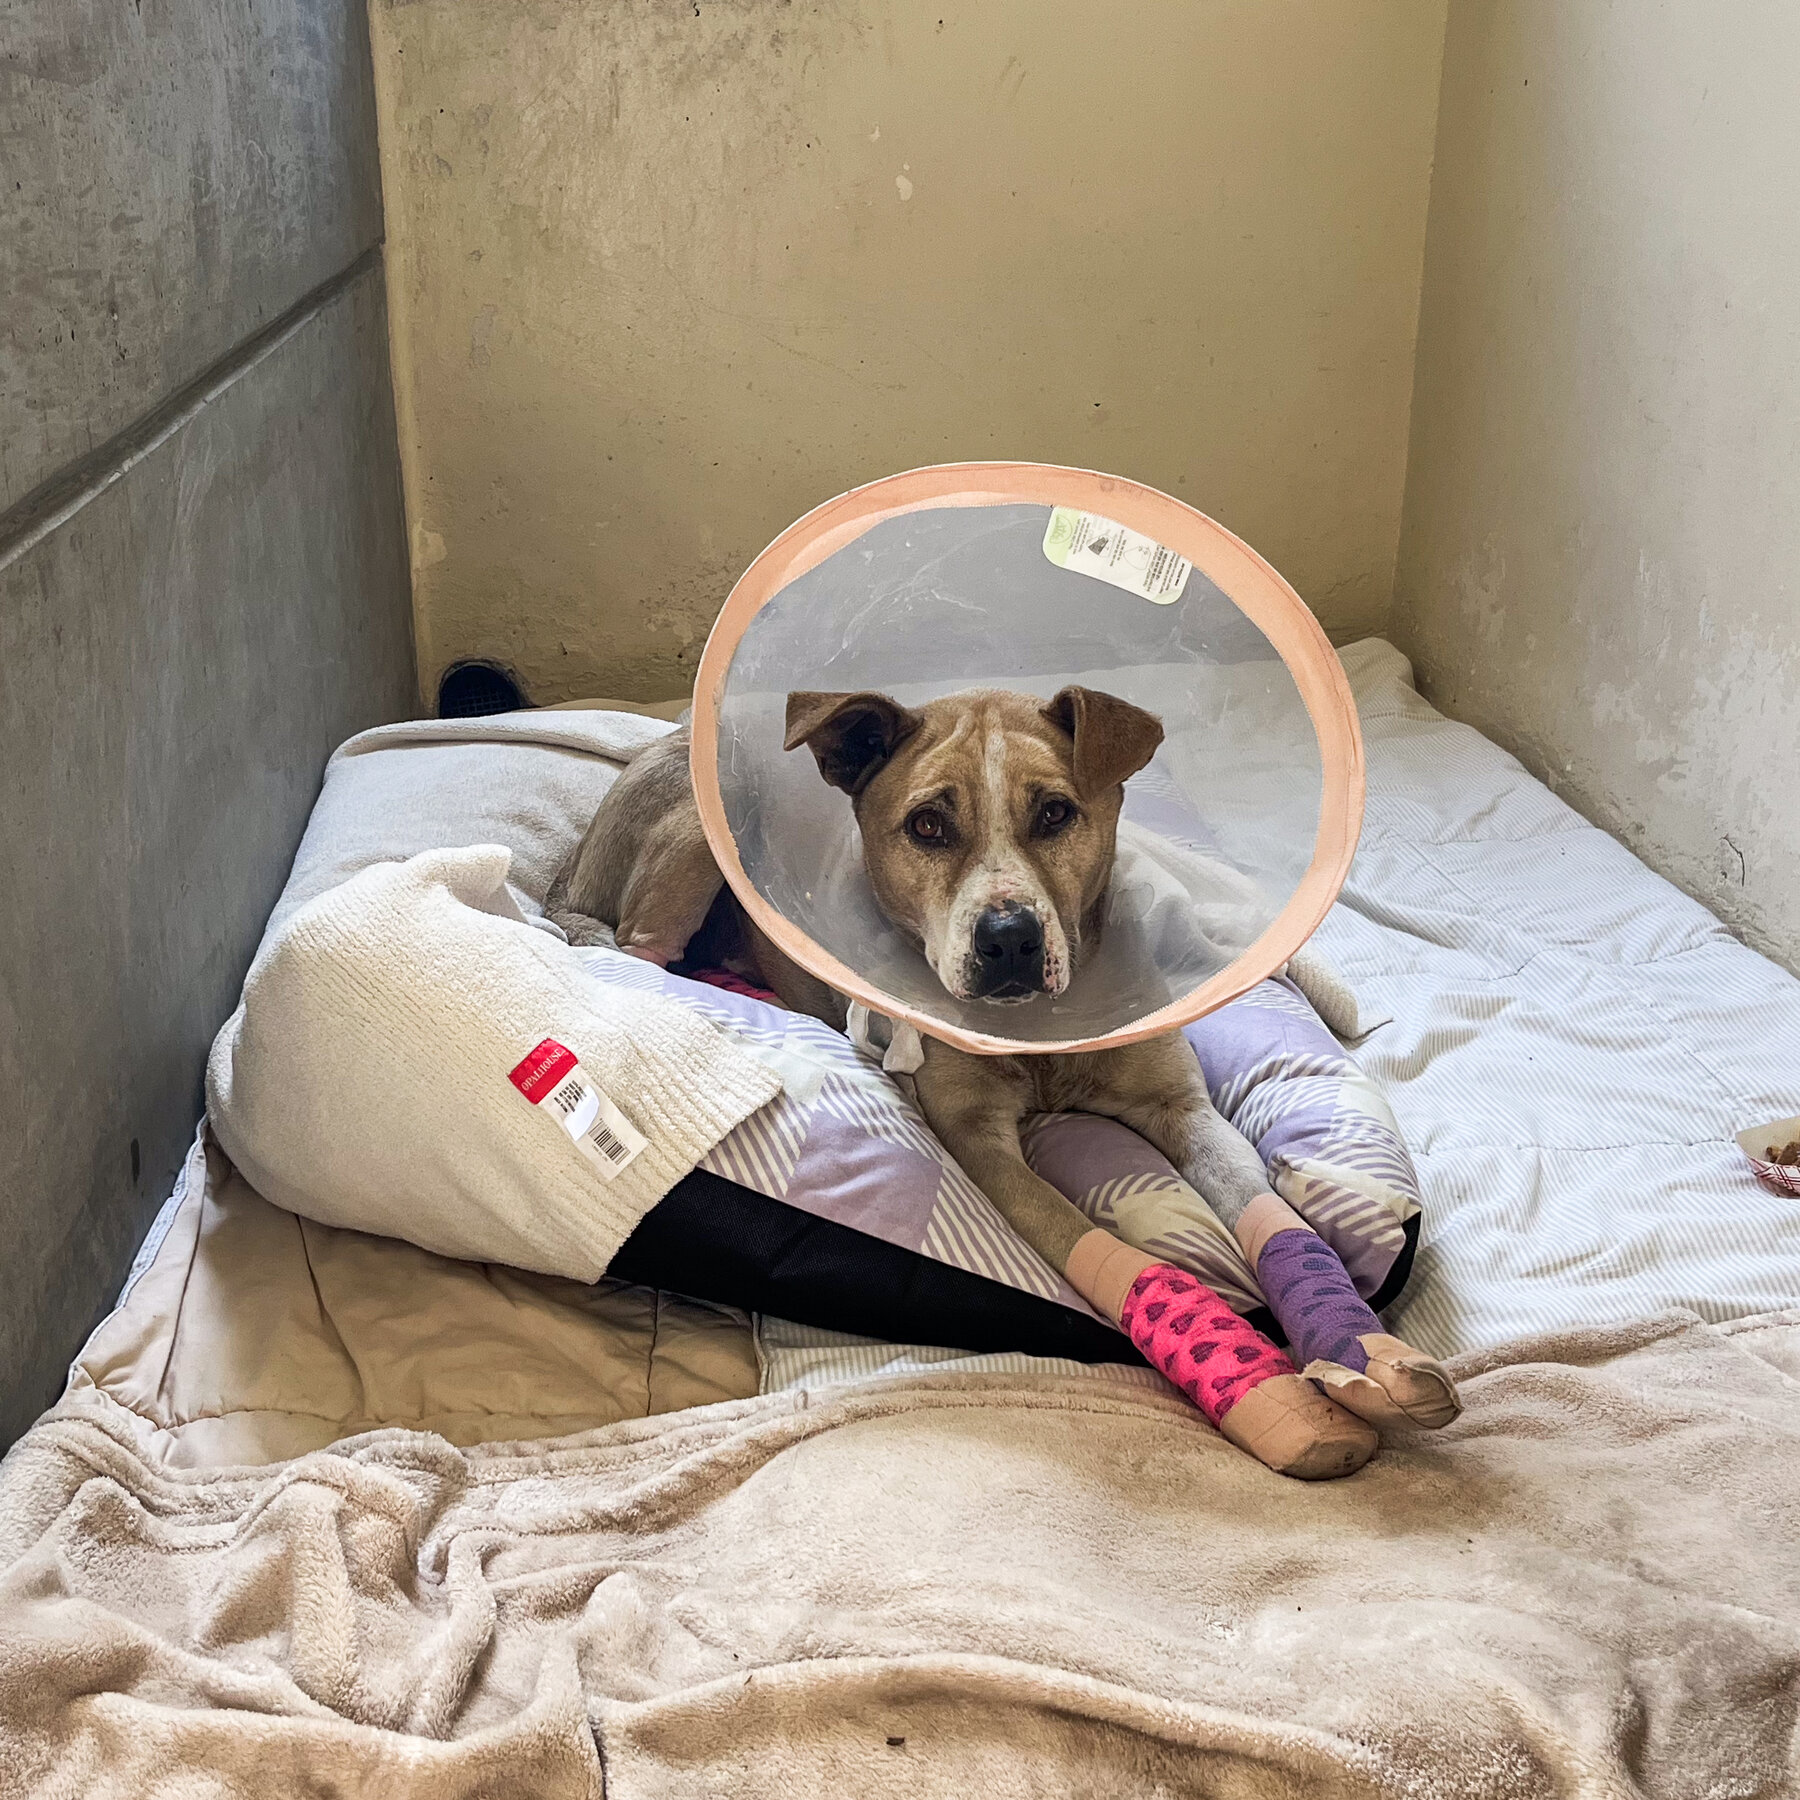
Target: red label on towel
[[540, 1072], [554, 1081]]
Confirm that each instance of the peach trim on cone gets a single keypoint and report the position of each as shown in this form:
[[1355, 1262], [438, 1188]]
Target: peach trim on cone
[[1243, 576]]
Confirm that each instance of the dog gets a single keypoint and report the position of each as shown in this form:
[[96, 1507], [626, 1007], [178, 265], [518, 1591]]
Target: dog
[[989, 825]]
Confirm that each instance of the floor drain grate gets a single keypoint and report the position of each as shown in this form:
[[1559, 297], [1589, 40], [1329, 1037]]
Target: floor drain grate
[[474, 690]]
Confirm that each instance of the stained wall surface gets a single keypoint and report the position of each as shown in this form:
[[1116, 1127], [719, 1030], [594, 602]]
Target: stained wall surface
[[202, 579], [1600, 565], [665, 275]]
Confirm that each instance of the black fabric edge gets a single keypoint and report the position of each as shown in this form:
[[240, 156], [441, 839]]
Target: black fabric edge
[[1401, 1267], [720, 1241]]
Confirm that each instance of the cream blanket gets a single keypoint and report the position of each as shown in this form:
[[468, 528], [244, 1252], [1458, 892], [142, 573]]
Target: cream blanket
[[955, 1585]]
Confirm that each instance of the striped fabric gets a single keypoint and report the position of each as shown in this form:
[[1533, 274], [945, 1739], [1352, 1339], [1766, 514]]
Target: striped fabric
[[1332, 1146], [803, 1356], [1573, 1045]]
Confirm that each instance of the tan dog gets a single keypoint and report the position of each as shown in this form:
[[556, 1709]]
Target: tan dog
[[989, 822]]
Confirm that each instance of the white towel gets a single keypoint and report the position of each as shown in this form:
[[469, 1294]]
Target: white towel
[[364, 1079]]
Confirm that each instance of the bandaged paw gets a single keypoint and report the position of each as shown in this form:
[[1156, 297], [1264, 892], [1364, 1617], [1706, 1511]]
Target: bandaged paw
[[1188, 1334], [1399, 1387], [1222, 1363], [1292, 1428]]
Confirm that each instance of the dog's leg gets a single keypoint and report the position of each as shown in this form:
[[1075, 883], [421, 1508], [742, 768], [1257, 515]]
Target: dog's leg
[[580, 928], [666, 896], [974, 1105], [668, 891], [642, 879], [1232, 1373], [1336, 1337]]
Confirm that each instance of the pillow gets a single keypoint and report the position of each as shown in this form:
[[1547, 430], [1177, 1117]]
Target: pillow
[[411, 1058], [844, 1144], [528, 780], [842, 1140], [1324, 1130]]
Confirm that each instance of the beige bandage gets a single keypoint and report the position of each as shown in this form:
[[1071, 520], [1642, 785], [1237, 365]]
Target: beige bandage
[[1261, 1219], [1101, 1270]]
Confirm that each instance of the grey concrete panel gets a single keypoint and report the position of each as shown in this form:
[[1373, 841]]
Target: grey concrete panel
[[175, 173], [176, 662]]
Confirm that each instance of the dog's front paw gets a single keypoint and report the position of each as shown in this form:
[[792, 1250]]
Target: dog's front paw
[[1239, 1380], [1400, 1388], [1292, 1428]]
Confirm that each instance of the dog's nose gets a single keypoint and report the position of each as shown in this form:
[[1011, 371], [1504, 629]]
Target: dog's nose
[[1009, 950]]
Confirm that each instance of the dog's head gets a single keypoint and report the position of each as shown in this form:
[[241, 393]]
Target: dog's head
[[988, 820]]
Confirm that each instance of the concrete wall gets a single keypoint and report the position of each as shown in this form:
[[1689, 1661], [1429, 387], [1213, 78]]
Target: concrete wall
[[666, 274], [1601, 558], [202, 578]]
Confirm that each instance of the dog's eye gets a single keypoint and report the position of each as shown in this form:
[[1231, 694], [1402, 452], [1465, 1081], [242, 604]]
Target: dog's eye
[[928, 826], [1053, 815]]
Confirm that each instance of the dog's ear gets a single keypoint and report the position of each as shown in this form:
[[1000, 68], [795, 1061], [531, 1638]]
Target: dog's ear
[[1113, 738], [851, 735]]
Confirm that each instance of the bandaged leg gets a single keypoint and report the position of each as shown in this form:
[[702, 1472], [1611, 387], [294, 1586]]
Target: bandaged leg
[[1335, 1337], [1238, 1379]]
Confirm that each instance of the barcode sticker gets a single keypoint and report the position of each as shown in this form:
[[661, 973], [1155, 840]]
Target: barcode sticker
[[554, 1081], [1104, 548]]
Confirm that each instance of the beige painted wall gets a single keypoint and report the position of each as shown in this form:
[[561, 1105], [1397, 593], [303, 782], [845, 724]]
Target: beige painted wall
[[1601, 558], [666, 273]]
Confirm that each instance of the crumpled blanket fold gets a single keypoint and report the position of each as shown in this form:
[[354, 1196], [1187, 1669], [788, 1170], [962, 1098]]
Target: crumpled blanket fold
[[944, 1586]]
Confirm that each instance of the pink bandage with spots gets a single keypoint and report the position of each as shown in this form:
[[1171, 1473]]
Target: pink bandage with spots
[[1190, 1335]]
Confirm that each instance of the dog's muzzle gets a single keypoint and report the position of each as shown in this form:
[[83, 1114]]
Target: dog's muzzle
[[1009, 953]]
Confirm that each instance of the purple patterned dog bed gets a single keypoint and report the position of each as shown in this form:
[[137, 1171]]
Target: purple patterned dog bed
[[845, 1141]]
